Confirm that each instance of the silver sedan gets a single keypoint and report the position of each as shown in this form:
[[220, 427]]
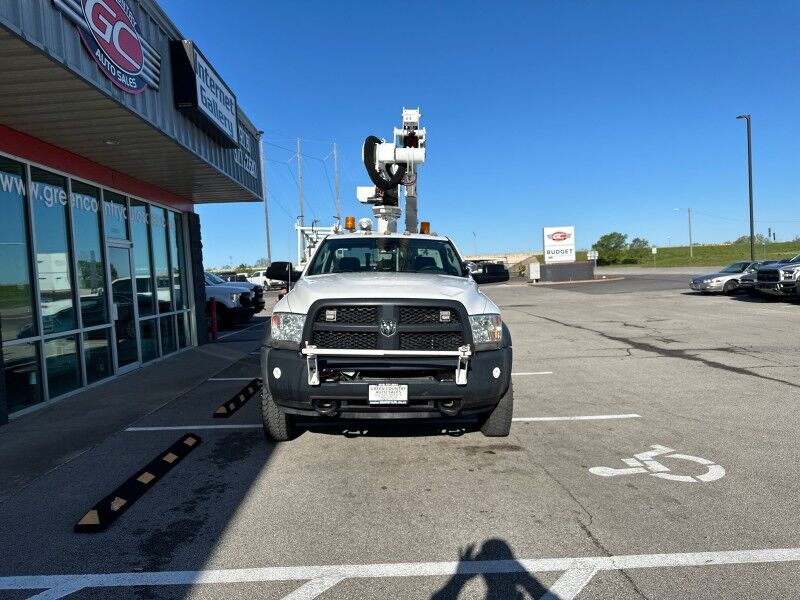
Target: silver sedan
[[727, 280]]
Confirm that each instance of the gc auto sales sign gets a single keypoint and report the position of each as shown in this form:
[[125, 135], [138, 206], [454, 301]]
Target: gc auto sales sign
[[559, 244], [110, 31]]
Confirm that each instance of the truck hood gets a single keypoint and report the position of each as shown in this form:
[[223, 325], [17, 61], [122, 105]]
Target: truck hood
[[228, 288], [390, 286], [240, 284]]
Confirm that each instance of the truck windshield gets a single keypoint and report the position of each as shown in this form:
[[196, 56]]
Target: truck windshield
[[386, 254]]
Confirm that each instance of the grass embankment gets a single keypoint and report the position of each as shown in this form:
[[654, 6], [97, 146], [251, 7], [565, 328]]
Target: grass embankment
[[678, 256]]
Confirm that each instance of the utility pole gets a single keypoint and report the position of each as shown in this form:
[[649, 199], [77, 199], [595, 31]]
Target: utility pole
[[336, 178], [264, 179], [300, 180], [691, 249], [750, 183]]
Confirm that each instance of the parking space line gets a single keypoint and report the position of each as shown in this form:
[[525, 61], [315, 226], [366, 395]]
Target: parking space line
[[182, 427], [576, 418], [570, 583], [532, 373], [578, 569], [312, 589], [222, 337]]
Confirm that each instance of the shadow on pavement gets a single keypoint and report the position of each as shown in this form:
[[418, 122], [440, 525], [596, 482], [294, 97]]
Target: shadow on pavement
[[508, 585]]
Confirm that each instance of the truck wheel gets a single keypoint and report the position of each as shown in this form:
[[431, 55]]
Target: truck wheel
[[498, 422], [278, 426]]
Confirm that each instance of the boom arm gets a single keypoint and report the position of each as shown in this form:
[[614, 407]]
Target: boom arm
[[390, 166]]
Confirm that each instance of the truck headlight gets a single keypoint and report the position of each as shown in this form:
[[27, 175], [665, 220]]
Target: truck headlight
[[487, 331], [789, 275], [234, 298], [287, 329]]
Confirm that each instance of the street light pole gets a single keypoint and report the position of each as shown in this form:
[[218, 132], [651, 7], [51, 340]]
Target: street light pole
[[746, 117], [264, 180], [691, 246], [689, 216]]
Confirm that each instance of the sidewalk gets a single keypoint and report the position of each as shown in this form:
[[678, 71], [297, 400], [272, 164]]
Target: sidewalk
[[39, 442]]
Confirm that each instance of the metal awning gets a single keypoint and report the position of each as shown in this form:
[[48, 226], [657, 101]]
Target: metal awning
[[43, 99]]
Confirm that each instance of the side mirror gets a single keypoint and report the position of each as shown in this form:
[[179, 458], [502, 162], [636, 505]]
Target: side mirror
[[282, 271], [471, 267]]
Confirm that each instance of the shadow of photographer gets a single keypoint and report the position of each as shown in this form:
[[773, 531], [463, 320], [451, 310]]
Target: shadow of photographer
[[505, 578]]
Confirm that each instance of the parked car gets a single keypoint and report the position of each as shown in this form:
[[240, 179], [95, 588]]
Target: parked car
[[727, 281], [489, 271], [747, 282], [256, 291], [233, 303], [260, 278], [780, 279]]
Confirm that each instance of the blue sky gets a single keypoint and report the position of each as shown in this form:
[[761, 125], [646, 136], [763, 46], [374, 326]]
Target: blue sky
[[603, 115]]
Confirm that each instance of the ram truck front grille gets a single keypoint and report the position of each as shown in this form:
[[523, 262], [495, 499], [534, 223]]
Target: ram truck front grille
[[402, 325]]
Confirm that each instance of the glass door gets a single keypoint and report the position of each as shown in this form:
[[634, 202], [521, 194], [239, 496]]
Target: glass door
[[123, 308]]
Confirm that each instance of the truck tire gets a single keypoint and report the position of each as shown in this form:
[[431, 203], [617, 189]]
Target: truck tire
[[278, 426], [498, 422]]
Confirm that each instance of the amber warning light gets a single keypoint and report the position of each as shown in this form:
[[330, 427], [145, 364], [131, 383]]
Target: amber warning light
[[350, 223], [425, 227]]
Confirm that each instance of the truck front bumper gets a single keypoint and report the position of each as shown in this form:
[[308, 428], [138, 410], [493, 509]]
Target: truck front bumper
[[293, 385], [783, 288]]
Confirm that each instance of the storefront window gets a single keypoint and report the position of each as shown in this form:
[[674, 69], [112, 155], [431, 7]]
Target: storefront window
[[49, 198], [149, 340], [168, 342], [17, 318], [158, 227], [97, 355], [89, 252], [22, 376], [176, 249], [63, 368], [140, 235], [115, 213]]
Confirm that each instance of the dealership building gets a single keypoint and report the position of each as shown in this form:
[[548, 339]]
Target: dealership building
[[113, 126]]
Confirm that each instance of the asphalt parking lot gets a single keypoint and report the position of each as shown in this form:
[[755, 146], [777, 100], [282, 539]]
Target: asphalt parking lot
[[654, 455]]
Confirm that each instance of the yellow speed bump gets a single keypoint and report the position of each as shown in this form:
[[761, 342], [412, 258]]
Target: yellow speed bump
[[239, 399], [105, 512]]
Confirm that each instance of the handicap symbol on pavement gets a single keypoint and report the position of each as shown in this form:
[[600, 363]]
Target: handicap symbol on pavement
[[644, 463]]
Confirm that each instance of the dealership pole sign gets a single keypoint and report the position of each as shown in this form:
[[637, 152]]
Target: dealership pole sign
[[110, 32], [559, 244], [202, 95]]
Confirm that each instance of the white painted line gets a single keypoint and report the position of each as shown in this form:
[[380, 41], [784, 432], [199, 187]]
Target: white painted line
[[532, 373], [192, 427], [231, 379], [222, 337], [570, 583], [578, 418], [313, 588], [328, 572]]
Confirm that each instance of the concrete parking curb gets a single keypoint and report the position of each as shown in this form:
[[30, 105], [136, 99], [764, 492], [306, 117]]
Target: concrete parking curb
[[105, 512], [234, 404]]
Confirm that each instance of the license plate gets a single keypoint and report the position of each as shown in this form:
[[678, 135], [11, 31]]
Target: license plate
[[388, 393]]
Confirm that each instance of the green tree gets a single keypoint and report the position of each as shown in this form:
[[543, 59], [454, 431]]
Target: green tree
[[638, 250], [610, 248], [745, 239]]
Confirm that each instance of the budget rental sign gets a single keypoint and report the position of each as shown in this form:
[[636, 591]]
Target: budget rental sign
[[559, 244]]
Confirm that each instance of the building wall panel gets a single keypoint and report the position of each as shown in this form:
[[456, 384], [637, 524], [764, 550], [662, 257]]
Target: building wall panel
[[42, 25]]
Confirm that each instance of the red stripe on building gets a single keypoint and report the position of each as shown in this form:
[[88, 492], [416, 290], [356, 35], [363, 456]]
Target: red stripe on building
[[38, 151]]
